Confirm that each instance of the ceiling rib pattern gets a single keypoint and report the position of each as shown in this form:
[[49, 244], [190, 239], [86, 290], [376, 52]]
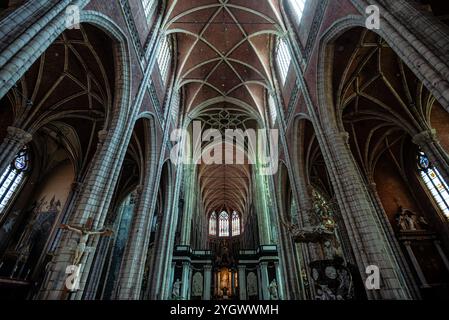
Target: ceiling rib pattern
[[223, 48], [224, 54]]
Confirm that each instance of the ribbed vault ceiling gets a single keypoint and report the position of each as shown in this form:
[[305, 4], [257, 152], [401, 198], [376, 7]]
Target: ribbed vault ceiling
[[224, 55]]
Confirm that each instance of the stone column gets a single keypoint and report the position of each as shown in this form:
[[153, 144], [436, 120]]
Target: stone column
[[419, 39], [15, 141], [389, 232], [189, 204], [172, 277], [424, 26], [242, 282], [134, 259], [185, 286], [416, 265], [93, 203], [442, 254], [369, 243], [265, 282], [207, 282]]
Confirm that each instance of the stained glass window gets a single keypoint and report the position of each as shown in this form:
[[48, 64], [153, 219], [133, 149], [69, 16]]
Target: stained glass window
[[235, 224], [298, 7], [223, 224], [213, 224], [12, 179], [434, 182], [164, 58], [283, 59]]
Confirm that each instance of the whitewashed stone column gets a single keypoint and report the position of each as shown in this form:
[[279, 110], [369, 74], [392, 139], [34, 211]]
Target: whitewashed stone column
[[134, 260], [403, 263], [185, 286], [369, 242], [93, 203]]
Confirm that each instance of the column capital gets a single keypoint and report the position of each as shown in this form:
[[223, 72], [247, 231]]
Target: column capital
[[425, 137], [18, 135]]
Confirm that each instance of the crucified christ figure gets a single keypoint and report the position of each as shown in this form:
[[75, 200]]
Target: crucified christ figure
[[84, 234]]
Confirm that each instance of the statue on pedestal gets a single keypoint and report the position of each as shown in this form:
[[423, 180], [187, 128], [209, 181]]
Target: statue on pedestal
[[407, 220], [176, 290], [273, 289]]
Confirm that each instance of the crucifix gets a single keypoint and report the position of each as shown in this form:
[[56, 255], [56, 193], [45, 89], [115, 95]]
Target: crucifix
[[84, 233]]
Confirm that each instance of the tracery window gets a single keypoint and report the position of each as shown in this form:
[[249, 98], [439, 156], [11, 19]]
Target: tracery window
[[298, 7], [223, 224], [283, 59], [213, 224], [12, 178], [164, 57], [235, 224], [434, 182], [148, 7]]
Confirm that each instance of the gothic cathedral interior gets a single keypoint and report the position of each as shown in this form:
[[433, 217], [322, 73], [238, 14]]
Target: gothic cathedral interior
[[237, 150]]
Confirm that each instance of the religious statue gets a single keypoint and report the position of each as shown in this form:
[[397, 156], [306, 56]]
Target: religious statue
[[407, 220], [84, 234], [224, 281], [324, 293], [322, 212], [332, 279], [176, 291], [329, 251], [273, 289]]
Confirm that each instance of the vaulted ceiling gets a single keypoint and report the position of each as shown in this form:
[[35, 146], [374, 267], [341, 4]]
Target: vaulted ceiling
[[224, 52]]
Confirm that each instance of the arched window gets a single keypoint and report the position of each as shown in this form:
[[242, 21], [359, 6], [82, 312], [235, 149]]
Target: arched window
[[213, 224], [12, 178], [298, 8], [235, 224], [283, 59], [164, 58], [148, 7], [434, 182], [223, 224]]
